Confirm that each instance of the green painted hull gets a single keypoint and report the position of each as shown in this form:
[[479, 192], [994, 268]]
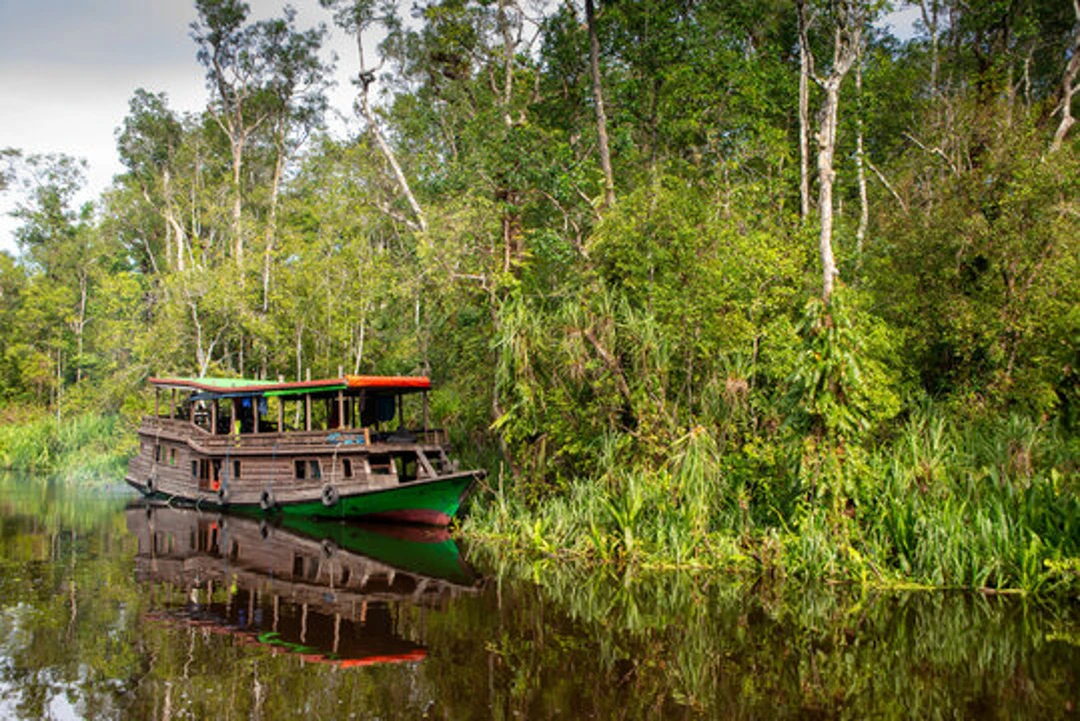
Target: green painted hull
[[432, 503], [429, 502]]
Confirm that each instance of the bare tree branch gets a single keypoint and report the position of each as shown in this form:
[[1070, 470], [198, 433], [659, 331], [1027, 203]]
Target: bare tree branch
[[887, 184], [934, 151]]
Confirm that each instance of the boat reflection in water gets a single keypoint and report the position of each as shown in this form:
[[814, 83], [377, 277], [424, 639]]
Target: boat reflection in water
[[324, 590]]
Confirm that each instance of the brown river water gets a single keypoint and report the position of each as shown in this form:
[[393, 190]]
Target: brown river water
[[114, 610]]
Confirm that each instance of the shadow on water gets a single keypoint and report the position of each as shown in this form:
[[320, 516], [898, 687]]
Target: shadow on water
[[109, 611]]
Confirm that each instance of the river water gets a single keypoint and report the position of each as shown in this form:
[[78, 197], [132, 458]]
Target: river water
[[114, 610]]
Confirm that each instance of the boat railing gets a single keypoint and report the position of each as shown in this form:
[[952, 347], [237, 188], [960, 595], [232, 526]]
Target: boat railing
[[343, 437]]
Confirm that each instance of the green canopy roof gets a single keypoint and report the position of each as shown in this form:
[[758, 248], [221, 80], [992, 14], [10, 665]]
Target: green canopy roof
[[246, 387]]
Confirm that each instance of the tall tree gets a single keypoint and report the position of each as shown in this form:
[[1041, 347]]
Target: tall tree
[[598, 102], [848, 18], [357, 17], [296, 100], [235, 75], [147, 142], [804, 109], [65, 253]]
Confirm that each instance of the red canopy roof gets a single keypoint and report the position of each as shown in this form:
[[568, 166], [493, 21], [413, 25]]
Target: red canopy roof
[[414, 382], [245, 386]]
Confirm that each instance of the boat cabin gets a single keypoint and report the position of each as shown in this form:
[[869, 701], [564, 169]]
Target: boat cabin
[[234, 441]]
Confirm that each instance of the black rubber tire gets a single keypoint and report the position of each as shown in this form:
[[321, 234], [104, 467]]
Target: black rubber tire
[[266, 500], [330, 495]]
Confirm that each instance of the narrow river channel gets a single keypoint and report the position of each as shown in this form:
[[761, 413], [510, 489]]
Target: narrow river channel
[[115, 610]]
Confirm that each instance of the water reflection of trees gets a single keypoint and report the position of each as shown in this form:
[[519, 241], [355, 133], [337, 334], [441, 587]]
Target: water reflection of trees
[[64, 570], [674, 645], [540, 641]]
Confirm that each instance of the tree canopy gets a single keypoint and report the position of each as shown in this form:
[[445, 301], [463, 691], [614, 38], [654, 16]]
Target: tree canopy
[[592, 223]]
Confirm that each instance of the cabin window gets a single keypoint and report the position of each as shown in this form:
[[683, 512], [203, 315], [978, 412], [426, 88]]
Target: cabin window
[[346, 467], [380, 463], [236, 469], [307, 469], [157, 453], [194, 469], [172, 456], [209, 474]]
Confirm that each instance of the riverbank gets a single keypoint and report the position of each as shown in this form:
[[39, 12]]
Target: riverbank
[[991, 506], [87, 449]]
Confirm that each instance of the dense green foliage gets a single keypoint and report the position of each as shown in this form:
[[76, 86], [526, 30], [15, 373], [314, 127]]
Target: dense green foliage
[[652, 379], [88, 448]]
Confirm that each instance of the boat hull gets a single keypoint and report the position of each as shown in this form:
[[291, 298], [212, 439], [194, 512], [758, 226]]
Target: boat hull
[[431, 502]]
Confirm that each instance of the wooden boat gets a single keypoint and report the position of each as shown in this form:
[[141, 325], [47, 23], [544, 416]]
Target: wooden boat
[[326, 593], [337, 447]]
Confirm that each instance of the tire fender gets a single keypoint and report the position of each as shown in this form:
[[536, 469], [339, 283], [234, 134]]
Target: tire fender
[[330, 495]]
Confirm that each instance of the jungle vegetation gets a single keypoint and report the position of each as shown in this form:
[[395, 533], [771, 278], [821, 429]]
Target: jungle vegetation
[[758, 285]]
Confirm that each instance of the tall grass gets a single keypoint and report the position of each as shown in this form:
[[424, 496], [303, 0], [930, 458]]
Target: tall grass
[[85, 449], [991, 506]]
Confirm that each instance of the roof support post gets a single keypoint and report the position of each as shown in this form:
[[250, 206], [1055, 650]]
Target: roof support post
[[280, 414], [340, 409], [213, 416], [157, 402], [307, 411]]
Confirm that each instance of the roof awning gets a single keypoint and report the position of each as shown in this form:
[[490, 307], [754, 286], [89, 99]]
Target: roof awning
[[400, 383], [210, 388]]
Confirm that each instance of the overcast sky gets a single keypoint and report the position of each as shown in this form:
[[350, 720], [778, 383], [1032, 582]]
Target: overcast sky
[[69, 67]]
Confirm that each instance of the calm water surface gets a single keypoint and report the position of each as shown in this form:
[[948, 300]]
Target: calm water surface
[[113, 611]]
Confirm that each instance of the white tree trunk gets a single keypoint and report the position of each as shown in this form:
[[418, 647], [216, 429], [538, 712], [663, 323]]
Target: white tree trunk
[[364, 106], [930, 10], [826, 176], [271, 223], [171, 222], [237, 209], [1068, 85], [860, 154], [804, 114], [598, 101], [845, 51]]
